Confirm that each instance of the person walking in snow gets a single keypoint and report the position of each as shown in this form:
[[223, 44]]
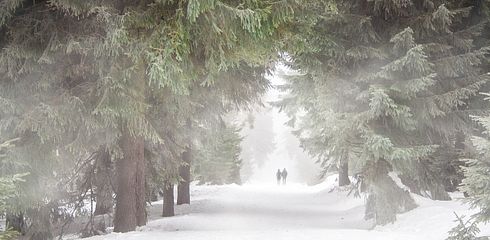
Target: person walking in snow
[[284, 175], [278, 176]]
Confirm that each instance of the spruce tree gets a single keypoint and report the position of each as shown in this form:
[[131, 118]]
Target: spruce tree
[[94, 69], [8, 193], [465, 230], [476, 180], [392, 82], [103, 180], [218, 159]]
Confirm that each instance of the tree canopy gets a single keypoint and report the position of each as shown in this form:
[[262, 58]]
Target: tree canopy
[[136, 93]]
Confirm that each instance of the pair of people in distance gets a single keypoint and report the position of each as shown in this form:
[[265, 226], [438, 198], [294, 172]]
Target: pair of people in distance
[[281, 176]]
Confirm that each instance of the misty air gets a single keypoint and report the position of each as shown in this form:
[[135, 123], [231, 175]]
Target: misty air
[[245, 119]]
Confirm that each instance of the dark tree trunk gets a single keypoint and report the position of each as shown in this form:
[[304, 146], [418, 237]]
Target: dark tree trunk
[[459, 141], [438, 192], [141, 215], [183, 190], [16, 222], [412, 184], [103, 193], [40, 227], [168, 200], [344, 173], [235, 173], [386, 198], [459, 145], [130, 198]]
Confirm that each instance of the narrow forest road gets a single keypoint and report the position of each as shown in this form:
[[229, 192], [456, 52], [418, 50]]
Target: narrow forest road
[[288, 212]]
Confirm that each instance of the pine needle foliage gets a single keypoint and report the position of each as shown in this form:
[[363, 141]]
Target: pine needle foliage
[[476, 181], [465, 230], [80, 75], [218, 159], [8, 193], [387, 81], [7, 10]]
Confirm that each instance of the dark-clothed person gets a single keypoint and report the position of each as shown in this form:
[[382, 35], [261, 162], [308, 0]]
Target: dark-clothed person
[[278, 176], [284, 175]]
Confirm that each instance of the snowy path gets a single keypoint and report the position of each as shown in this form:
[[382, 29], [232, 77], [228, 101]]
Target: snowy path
[[288, 212]]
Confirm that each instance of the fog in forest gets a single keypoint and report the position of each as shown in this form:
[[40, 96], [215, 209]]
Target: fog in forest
[[176, 120], [269, 143]]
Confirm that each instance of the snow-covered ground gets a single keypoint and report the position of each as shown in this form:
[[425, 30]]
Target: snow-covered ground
[[290, 212]]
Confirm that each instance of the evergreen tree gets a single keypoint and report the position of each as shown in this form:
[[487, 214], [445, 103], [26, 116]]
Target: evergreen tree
[[465, 230], [103, 180], [92, 70], [476, 180], [218, 159], [259, 143], [8, 192], [384, 84]]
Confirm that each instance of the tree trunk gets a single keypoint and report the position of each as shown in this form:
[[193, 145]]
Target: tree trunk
[[386, 198], [459, 142], [40, 227], [141, 215], [459, 145], [16, 222], [344, 173], [183, 195], [130, 198], [103, 192], [168, 200], [438, 192]]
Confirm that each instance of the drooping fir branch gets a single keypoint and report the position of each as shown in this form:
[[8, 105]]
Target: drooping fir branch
[[7, 10]]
